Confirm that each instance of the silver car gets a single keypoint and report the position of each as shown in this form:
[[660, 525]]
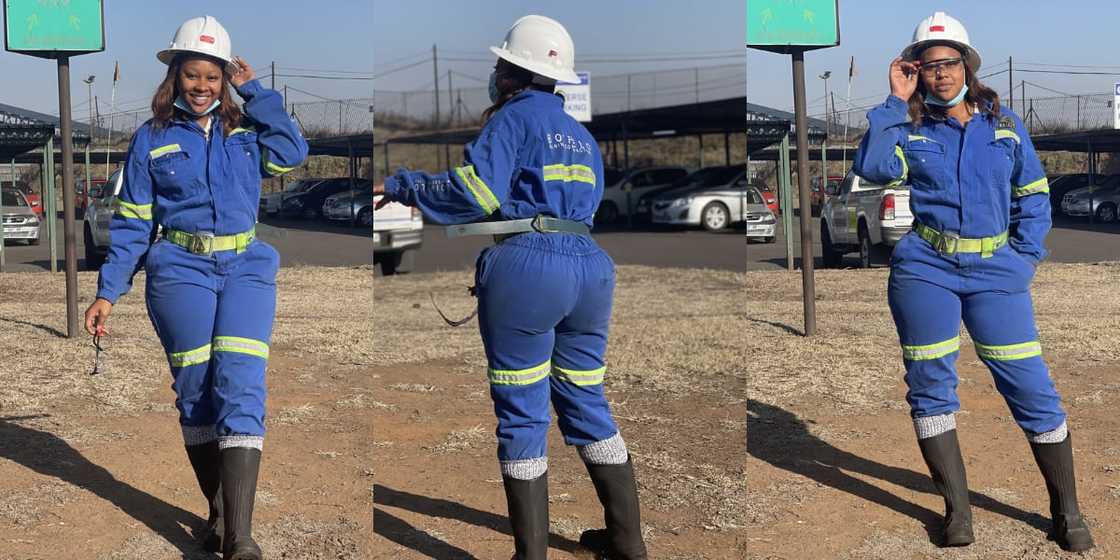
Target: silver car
[[343, 207], [20, 221], [713, 197], [1104, 199], [761, 223]]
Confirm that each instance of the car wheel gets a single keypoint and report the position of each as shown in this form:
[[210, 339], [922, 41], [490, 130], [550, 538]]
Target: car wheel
[[1106, 213], [390, 263], [865, 258], [829, 254], [607, 214], [770, 239], [365, 218], [715, 216], [94, 259]]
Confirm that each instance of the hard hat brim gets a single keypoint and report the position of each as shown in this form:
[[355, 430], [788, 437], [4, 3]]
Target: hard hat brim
[[557, 74], [167, 55], [971, 57]]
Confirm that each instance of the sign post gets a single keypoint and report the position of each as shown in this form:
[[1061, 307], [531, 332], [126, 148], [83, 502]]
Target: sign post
[[59, 30], [793, 27]]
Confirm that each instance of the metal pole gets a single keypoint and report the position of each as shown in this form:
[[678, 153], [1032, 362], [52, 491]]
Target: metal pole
[[808, 291], [786, 199], [12, 180], [273, 87], [340, 118], [68, 197], [353, 178], [435, 72], [450, 105], [1010, 84], [701, 138], [727, 148], [1023, 93], [385, 148]]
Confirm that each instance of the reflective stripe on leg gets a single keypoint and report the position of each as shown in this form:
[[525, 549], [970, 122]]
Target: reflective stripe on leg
[[931, 351], [1008, 352], [580, 377], [519, 376], [524, 469], [241, 346], [610, 451], [186, 358], [932, 426], [255, 442]]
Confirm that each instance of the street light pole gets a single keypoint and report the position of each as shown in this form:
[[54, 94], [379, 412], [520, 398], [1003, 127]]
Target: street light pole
[[824, 143]]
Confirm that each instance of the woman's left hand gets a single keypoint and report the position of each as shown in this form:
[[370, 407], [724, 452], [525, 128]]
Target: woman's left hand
[[243, 74]]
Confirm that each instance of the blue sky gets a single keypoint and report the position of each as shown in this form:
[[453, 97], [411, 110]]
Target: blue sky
[[335, 36]]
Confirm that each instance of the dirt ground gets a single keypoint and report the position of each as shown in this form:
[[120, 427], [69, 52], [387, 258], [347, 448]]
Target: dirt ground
[[675, 383], [94, 467], [833, 469]]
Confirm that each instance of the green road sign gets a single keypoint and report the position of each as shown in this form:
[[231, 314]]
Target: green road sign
[[48, 28], [787, 25]]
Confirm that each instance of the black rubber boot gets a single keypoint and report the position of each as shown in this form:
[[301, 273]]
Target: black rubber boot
[[1068, 528], [527, 501], [618, 492], [239, 488], [943, 457], [207, 465]]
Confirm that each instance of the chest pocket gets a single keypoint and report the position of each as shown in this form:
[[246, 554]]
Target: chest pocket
[[172, 172], [1001, 155], [244, 159], [926, 160]]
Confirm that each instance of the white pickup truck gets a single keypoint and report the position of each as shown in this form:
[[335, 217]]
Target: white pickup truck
[[858, 216], [398, 232]]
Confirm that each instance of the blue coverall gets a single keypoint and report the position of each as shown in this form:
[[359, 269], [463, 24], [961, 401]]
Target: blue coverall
[[213, 313], [544, 298], [977, 181]]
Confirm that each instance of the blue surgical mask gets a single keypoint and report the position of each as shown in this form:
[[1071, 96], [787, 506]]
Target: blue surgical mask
[[494, 93], [182, 104], [933, 100]]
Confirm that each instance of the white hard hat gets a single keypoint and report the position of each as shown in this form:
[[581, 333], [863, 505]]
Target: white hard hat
[[542, 46], [942, 29], [202, 35]]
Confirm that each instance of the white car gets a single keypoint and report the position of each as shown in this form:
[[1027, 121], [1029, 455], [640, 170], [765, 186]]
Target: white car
[[18, 219], [398, 232], [95, 227], [272, 202], [858, 216], [622, 190], [761, 223], [712, 197]]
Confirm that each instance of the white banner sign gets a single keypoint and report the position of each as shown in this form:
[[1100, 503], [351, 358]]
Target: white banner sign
[[1116, 107], [577, 97]]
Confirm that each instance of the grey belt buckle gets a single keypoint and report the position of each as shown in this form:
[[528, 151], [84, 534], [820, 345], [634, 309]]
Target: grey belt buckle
[[203, 243], [948, 242], [538, 223]]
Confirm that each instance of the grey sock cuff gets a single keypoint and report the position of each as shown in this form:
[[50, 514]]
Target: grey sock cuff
[[255, 442], [610, 451], [524, 469], [198, 435], [932, 426], [1057, 435]]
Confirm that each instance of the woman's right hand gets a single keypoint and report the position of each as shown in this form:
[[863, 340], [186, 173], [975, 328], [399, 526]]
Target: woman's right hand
[[903, 78], [97, 314]]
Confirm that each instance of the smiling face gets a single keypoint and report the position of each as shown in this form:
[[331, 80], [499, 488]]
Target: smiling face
[[942, 72], [200, 82]]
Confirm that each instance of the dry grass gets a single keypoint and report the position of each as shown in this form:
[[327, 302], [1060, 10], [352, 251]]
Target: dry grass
[[856, 353], [460, 440], [323, 313]]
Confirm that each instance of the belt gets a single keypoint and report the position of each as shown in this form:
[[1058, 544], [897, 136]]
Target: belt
[[542, 224], [206, 243], [952, 243]]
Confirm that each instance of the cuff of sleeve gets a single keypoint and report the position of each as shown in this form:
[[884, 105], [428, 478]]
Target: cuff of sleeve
[[249, 89], [107, 295]]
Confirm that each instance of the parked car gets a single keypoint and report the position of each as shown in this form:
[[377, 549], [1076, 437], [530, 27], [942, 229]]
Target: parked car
[[761, 223], [308, 203], [817, 193], [18, 219], [271, 202], [632, 184], [398, 233], [343, 207], [81, 196], [859, 216], [32, 199], [770, 199], [95, 226], [1104, 197], [713, 197]]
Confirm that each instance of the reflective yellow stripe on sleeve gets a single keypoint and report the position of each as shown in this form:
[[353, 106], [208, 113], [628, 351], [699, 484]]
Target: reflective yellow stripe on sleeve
[[482, 194], [272, 168], [130, 210], [905, 168], [1040, 186]]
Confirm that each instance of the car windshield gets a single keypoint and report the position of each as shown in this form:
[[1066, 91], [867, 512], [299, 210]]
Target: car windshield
[[300, 186], [13, 198], [612, 176]]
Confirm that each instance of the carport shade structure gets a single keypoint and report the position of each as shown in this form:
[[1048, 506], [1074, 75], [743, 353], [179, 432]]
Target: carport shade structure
[[763, 127], [1091, 142]]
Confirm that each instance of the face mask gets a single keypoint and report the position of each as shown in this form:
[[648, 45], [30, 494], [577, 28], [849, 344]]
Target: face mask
[[182, 104], [494, 93], [933, 100]]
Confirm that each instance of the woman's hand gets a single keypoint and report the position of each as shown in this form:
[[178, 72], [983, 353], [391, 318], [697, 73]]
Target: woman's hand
[[243, 74], [903, 78], [97, 315]]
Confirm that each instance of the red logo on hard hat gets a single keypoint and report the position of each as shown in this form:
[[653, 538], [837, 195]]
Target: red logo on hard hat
[[937, 28], [206, 39], [552, 53]]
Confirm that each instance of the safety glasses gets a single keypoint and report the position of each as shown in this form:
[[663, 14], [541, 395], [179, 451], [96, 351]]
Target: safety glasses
[[944, 66]]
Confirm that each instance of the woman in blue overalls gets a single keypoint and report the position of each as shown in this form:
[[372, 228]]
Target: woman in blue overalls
[[534, 178], [195, 169], [981, 211]]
